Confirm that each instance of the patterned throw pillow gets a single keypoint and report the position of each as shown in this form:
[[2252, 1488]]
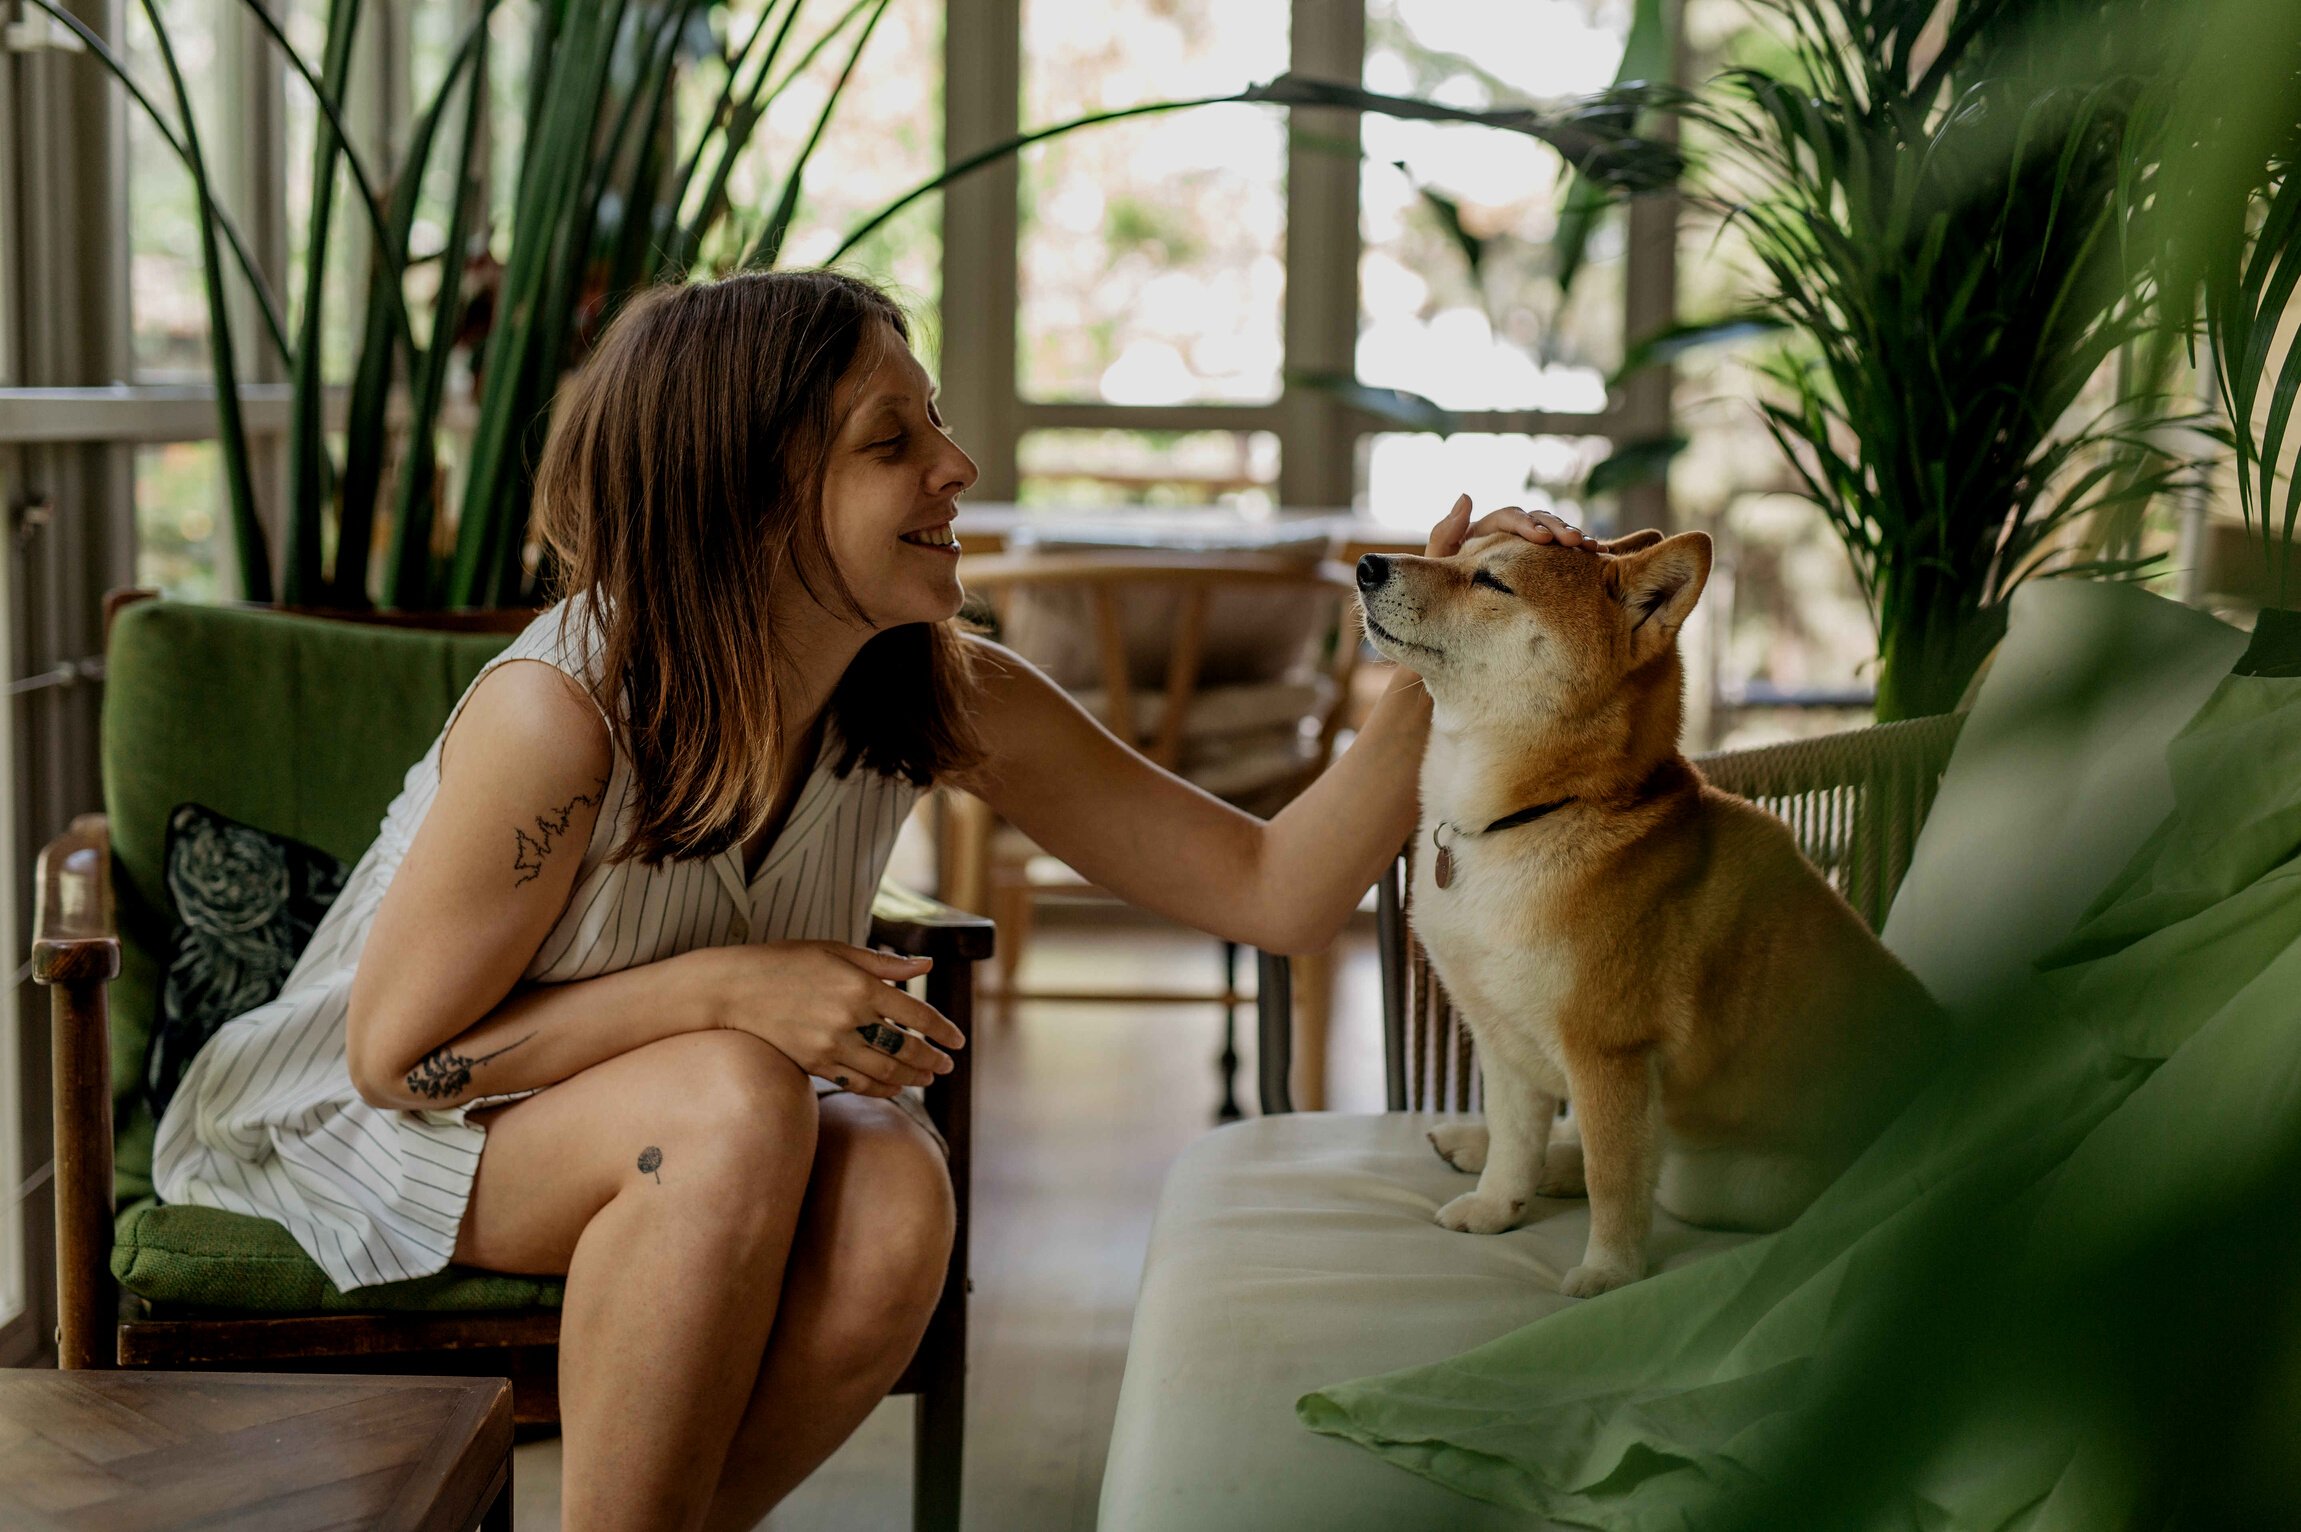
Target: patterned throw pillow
[[246, 904]]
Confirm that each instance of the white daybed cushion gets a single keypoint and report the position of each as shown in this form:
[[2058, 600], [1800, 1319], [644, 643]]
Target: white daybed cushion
[[2058, 777], [1296, 1251]]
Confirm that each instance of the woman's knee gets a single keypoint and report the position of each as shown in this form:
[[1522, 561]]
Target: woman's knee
[[737, 1111]]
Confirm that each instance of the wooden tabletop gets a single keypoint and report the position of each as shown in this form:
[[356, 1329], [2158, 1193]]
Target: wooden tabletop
[[256, 1452]]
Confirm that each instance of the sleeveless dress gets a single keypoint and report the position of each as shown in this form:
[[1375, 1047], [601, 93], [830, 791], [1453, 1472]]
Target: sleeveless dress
[[266, 1121]]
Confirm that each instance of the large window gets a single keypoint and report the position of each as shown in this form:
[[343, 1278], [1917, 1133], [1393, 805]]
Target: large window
[[1227, 273]]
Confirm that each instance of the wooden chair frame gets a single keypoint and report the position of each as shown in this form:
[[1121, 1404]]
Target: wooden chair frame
[[76, 954]]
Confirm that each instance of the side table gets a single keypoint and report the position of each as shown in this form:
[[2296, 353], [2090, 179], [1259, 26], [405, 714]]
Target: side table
[[106, 1451]]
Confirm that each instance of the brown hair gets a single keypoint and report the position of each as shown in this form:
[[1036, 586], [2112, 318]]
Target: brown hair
[[683, 475]]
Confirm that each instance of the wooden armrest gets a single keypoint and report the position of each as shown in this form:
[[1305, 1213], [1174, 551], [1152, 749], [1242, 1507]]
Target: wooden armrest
[[74, 938], [917, 926], [76, 953]]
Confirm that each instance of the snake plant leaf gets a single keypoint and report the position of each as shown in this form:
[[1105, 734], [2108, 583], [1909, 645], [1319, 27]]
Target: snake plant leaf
[[1593, 134], [1588, 133], [367, 431], [370, 202], [517, 377], [745, 108], [968, 165], [310, 471], [231, 428], [408, 571], [765, 250]]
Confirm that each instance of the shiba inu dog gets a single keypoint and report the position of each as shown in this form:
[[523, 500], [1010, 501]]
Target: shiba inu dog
[[1617, 933]]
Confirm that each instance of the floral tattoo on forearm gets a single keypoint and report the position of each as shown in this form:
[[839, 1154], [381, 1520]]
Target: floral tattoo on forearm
[[528, 851], [445, 1074]]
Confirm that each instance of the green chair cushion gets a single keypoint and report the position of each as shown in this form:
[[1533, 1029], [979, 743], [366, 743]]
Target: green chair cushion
[[201, 1257], [302, 726]]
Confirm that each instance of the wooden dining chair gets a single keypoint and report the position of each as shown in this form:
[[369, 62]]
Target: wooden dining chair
[[1134, 631]]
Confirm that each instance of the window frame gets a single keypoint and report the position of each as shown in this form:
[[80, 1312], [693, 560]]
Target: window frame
[[1318, 434]]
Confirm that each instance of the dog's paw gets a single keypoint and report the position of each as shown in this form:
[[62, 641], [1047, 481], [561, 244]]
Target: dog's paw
[[1461, 1145], [1596, 1275], [1477, 1213], [1562, 1172]]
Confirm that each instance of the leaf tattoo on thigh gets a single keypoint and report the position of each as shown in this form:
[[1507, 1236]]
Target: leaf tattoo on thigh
[[444, 1073], [651, 1163], [528, 851]]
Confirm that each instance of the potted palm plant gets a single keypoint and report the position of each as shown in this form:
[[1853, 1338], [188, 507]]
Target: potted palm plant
[[1937, 194]]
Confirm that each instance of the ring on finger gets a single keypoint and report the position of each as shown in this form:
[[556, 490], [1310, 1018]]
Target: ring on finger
[[882, 1035]]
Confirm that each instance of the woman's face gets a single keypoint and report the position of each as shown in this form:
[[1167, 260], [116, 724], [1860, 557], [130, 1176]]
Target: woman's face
[[891, 486]]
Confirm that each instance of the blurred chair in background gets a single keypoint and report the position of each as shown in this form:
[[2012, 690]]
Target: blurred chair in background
[[1230, 669]]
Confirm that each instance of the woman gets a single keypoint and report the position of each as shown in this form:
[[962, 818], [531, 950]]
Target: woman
[[593, 1003]]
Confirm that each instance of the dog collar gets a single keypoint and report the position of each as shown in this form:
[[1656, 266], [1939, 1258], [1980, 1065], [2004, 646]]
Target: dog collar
[[1439, 833]]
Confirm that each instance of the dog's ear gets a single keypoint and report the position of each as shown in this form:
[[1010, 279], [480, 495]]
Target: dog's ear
[[1630, 542], [1659, 584]]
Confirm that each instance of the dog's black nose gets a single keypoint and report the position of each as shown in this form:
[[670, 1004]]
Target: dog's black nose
[[1373, 570]]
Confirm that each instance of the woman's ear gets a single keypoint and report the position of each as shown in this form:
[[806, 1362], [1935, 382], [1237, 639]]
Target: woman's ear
[[1659, 584]]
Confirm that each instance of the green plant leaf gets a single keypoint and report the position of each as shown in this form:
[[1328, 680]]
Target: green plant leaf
[[231, 431], [1667, 345], [408, 567], [1646, 57], [1633, 463], [114, 65], [769, 246], [1394, 407]]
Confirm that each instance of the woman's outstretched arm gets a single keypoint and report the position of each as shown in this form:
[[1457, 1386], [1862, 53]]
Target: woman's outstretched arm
[[1155, 840]]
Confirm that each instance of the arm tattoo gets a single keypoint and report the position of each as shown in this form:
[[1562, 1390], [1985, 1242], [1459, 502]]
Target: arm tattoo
[[528, 851], [651, 1163], [444, 1073]]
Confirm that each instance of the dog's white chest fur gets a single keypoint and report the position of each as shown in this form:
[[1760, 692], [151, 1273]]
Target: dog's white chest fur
[[1506, 965]]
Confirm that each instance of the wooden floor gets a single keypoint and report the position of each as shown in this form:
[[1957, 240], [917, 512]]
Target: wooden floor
[[1081, 1109]]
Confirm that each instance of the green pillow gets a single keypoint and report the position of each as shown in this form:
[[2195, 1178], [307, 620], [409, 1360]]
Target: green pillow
[[198, 1257]]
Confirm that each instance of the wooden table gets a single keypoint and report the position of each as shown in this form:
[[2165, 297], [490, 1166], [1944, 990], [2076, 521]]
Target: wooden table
[[256, 1452]]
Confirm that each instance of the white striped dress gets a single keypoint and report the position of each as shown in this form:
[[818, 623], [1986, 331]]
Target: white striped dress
[[266, 1121]]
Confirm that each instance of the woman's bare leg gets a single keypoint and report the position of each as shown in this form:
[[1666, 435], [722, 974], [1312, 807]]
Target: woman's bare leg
[[865, 1272], [672, 1273]]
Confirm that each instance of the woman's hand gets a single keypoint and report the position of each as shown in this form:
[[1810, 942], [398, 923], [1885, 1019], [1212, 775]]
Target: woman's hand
[[828, 1006], [1447, 538]]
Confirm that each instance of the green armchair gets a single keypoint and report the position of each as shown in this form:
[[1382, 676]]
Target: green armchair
[[304, 725]]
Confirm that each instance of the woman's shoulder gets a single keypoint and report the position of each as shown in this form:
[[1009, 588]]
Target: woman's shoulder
[[533, 720]]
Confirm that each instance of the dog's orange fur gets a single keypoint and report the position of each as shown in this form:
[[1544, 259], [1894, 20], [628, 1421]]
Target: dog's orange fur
[[1656, 951]]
